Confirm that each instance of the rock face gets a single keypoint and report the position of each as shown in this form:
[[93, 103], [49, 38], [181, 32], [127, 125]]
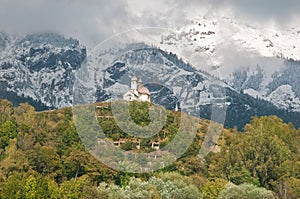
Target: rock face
[[40, 67]]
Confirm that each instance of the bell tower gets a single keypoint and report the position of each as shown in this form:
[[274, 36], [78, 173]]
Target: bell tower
[[134, 83]]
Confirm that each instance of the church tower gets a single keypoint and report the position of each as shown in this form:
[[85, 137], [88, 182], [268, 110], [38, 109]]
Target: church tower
[[140, 83], [134, 83], [137, 92]]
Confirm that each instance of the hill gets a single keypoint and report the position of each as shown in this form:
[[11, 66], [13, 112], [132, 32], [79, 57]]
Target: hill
[[42, 156]]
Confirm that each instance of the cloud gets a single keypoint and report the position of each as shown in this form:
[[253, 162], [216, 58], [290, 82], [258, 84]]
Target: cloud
[[94, 20], [280, 11], [256, 11], [90, 20]]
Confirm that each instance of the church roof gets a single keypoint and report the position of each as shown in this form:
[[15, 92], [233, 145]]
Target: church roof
[[134, 78], [143, 90]]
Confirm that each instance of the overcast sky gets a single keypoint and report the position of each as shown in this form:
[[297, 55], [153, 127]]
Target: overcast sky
[[94, 20]]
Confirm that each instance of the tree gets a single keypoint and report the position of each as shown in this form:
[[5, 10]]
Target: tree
[[36, 187], [8, 130], [25, 114], [6, 110], [293, 188], [246, 191], [30, 185], [264, 151], [44, 159], [259, 156], [139, 189], [228, 163], [71, 189], [173, 185], [13, 186], [212, 189], [14, 161], [77, 163], [170, 186]]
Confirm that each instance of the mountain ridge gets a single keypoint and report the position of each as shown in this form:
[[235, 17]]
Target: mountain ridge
[[46, 73], [264, 59]]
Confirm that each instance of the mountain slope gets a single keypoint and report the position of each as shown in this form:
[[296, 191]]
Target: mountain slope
[[40, 67], [258, 60], [281, 87], [170, 81]]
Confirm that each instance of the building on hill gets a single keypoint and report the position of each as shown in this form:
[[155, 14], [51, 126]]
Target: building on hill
[[137, 92]]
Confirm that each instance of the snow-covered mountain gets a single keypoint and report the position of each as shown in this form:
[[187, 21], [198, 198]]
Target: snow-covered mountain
[[257, 60], [208, 41], [40, 67], [281, 86]]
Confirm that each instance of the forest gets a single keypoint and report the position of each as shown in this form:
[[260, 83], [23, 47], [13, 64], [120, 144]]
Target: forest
[[42, 156]]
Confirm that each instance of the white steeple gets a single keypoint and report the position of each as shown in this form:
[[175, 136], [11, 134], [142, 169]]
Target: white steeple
[[134, 83]]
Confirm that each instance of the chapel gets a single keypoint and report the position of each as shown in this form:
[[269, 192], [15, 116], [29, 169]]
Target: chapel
[[137, 92]]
